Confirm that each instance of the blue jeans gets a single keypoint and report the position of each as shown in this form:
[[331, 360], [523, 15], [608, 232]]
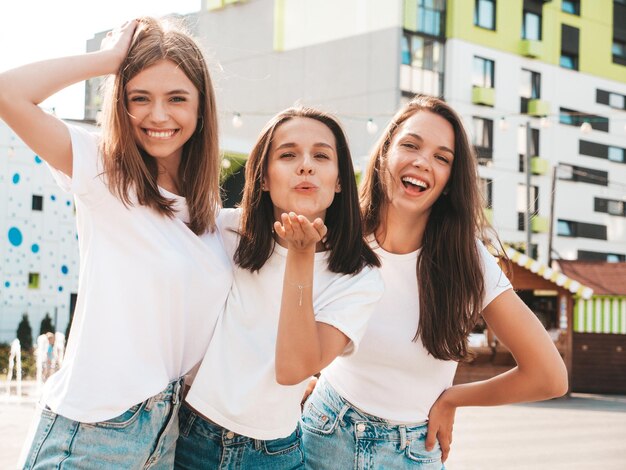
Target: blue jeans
[[205, 444], [144, 436], [336, 434]]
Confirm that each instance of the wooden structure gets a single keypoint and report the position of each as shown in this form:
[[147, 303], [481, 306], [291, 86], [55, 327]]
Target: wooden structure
[[599, 327], [551, 295]]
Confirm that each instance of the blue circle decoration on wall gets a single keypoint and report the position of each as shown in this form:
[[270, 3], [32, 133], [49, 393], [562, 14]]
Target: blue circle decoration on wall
[[34, 248], [68, 203], [64, 269], [16, 178], [60, 288], [15, 236], [38, 160], [7, 284], [53, 197]]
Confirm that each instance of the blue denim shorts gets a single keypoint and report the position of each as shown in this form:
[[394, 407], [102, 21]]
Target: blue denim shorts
[[336, 434], [144, 436], [205, 444]]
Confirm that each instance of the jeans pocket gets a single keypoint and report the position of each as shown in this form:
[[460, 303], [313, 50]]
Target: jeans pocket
[[318, 417], [283, 445], [416, 451], [124, 420]]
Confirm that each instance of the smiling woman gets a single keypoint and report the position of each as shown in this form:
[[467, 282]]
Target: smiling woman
[[154, 275]]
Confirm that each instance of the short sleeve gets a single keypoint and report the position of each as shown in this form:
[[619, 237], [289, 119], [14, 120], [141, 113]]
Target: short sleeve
[[496, 281], [86, 164], [228, 221], [349, 302]]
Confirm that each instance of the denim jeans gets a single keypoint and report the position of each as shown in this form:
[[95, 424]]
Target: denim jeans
[[144, 436], [337, 435], [203, 444]]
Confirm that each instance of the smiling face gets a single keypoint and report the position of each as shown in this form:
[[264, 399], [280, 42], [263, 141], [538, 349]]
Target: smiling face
[[163, 106], [419, 163], [302, 173]]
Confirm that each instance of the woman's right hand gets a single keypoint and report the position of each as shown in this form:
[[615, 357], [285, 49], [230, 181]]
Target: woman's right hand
[[118, 40]]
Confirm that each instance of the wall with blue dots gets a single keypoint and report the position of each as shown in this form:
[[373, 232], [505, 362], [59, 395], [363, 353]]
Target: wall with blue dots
[[37, 236]]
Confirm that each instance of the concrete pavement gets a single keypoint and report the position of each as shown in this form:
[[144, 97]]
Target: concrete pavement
[[582, 432]]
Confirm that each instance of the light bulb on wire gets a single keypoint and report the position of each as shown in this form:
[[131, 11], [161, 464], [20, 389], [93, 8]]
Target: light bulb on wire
[[585, 128], [371, 127], [503, 124], [544, 122], [237, 121]]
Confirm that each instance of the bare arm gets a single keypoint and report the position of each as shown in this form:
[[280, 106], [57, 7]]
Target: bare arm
[[540, 372], [22, 89], [303, 346]]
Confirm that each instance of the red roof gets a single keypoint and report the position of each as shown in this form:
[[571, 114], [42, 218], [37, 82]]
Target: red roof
[[603, 277]]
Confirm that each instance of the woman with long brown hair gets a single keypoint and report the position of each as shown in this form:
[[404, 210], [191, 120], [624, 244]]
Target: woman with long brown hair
[[392, 404], [153, 273]]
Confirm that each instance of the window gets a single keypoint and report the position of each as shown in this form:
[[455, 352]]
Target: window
[[530, 88], [594, 149], [521, 145], [33, 280], [483, 75], [37, 203], [486, 190], [609, 206], [422, 65], [597, 256], [569, 47], [571, 117], [569, 228], [571, 6], [483, 138], [619, 51], [522, 205], [614, 100], [485, 14], [531, 26], [582, 175], [431, 16]]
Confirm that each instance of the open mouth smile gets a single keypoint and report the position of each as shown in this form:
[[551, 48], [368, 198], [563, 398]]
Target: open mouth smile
[[160, 134], [413, 183]]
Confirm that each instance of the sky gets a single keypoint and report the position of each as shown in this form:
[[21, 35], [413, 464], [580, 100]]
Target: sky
[[33, 30]]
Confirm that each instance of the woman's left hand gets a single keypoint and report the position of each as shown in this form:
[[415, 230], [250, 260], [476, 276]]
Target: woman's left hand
[[299, 232], [440, 423]]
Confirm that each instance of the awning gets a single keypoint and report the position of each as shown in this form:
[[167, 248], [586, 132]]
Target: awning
[[548, 273]]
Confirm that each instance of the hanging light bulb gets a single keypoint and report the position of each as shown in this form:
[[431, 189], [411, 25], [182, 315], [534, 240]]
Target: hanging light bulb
[[226, 163], [585, 128], [544, 122], [503, 124], [371, 127], [11, 152], [237, 121]]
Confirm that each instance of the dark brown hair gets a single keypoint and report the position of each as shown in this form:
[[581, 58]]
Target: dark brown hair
[[349, 252], [126, 165], [449, 268]]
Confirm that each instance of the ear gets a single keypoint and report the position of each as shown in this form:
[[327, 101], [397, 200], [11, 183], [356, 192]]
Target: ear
[[264, 185], [338, 187]]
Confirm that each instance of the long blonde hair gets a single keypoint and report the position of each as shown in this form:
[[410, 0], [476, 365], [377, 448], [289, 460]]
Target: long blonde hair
[[128, 167]]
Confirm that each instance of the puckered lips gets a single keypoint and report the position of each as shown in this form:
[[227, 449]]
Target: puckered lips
[[414, 184], [160, 134], [305, 187]]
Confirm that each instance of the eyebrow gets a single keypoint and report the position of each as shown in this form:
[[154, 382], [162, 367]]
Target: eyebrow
[[292, 145], [441, 147], [146, 92]]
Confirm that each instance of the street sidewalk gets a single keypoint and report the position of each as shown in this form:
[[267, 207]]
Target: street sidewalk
[[581, 432]]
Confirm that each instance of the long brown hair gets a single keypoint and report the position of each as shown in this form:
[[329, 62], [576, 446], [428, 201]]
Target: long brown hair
[[449, 273], [349, 252], [127, 166]]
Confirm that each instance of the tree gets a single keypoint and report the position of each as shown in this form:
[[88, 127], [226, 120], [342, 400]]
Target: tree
[[25, 333], [46, 325]]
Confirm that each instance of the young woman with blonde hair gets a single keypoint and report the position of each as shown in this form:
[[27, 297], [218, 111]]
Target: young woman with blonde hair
[[153, 273]]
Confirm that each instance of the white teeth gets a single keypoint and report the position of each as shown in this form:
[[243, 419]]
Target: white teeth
[[415, 182], [160, 134]]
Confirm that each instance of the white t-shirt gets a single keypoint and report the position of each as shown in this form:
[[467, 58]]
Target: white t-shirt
[[392, 376], [149, 294], [236, 384]]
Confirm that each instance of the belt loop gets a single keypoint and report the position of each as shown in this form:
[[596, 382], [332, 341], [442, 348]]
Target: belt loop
[[343, 411], [176, 392], [258, 444], [403, 441]]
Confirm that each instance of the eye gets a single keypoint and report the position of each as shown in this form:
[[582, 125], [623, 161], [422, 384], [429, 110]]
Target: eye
[[138, 99], [287, 155], [322, 156], [442, 158], [178, 99], [409, 145]]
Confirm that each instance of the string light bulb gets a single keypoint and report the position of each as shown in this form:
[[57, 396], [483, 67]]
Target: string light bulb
[[226, 163], [371, 127], [544, 122], [503, 124], [237, 121], [585, 128]]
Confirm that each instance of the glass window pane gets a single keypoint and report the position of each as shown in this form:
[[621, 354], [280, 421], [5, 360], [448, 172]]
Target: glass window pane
[[531, 28], [526, 85], [567, 62], [486, 14], [417, 46], [617, 101], [564, 228], [406, 52], [616, 154], [615, 208]]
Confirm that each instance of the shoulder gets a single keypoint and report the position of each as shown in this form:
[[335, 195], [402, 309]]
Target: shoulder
[[229, 219]]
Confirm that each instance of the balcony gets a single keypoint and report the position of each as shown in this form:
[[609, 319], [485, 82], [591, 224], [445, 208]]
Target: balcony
[[530, 48], [539, 224], [483, 96], [538, 108], [539, 166]]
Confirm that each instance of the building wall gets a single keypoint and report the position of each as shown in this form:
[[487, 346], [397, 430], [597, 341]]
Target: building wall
[[33, 241]]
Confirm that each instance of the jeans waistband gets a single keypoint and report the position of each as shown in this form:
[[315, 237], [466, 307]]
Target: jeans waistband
[[173, 393]]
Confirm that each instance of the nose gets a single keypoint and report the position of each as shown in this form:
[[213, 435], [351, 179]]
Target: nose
[[307, 166], [158, 113], [421, 162]]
